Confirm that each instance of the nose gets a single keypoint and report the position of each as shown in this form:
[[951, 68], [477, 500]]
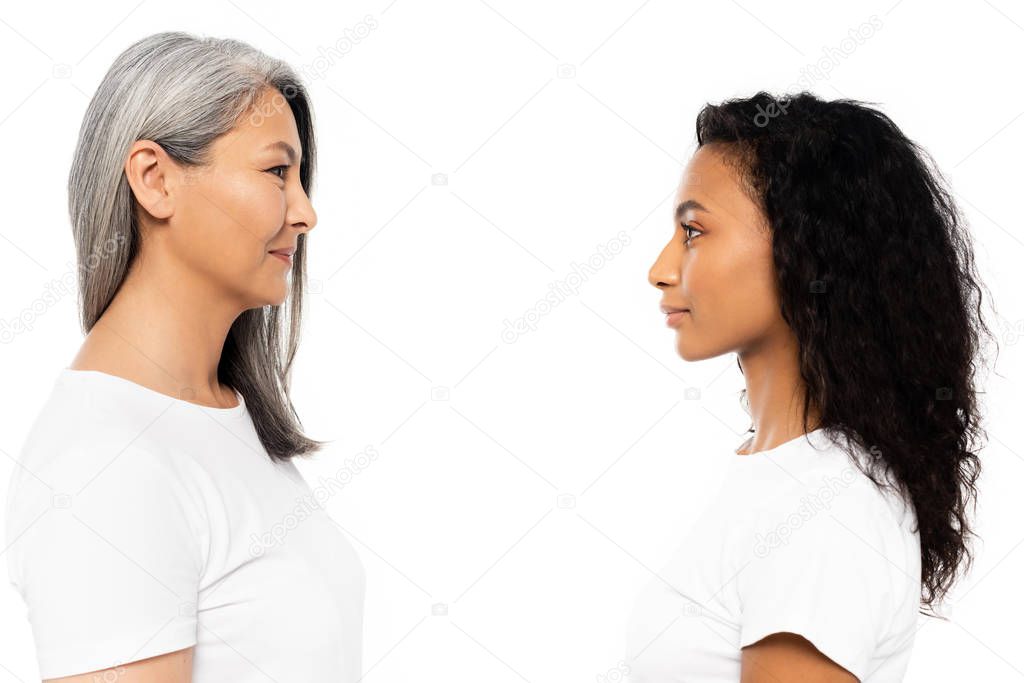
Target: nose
[[301, 214], [666, 269]]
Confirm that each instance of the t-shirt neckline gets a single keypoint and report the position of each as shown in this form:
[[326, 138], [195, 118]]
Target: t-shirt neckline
[[814, 435], [123, 381]]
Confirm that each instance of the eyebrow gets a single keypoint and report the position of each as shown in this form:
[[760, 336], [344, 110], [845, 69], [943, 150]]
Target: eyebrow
[[689, 204], [288, 149]]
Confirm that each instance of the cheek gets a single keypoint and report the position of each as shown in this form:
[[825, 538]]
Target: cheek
[[235, 217], [732, 291]]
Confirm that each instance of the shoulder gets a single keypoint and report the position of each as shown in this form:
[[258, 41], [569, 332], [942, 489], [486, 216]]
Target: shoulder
[[834, 559], [823, 480], [125, 493], [83, 428], [833, 510], [92, 458]]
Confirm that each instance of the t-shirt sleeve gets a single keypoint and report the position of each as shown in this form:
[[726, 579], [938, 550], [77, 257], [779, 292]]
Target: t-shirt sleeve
[[106, 551], [823, 575]]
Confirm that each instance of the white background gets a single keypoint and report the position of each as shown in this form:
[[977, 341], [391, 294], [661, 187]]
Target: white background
[[553, 126]]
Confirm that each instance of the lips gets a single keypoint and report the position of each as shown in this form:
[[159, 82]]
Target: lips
[[674, 314], [285, 254]]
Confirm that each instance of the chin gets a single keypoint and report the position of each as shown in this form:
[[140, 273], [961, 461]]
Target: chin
[[271, 298], [691, 354]]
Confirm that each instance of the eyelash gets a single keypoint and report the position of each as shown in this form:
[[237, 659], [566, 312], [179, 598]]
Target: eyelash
[[271, 170], [686, 227]]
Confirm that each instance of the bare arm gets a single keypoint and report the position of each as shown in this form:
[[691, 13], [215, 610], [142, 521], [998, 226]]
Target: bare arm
[[173, 667], [789, 658]]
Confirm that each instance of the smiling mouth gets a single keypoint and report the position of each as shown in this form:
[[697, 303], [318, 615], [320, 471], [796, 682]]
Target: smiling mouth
[[283, 255]]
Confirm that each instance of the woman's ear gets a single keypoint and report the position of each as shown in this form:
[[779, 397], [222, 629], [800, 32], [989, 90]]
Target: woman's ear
[[150, 173]]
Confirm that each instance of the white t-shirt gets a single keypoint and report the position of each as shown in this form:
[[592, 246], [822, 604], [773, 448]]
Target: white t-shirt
[[139, 524], [797, 540]]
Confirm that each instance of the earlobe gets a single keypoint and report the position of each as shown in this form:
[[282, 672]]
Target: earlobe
[[146, 170]]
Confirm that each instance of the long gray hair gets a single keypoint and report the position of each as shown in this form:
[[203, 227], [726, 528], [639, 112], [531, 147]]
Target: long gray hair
[[183, 92]]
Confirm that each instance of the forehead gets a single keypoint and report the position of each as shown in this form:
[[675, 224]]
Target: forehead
[[269, 120], [711, 180]]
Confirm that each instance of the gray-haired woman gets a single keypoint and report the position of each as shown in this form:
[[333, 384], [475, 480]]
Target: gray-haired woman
[[157, 525]]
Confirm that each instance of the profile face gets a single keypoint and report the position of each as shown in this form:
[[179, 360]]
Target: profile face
[[720, 268], [245, 203]]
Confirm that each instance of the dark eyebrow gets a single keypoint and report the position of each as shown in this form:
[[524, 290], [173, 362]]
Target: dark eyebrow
[[288, 149], [687, 206]]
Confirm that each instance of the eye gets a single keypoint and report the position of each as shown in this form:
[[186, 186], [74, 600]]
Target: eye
[[686, 228], [284, 169]]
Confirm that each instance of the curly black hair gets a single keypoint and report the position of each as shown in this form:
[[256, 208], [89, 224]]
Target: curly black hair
[[876, 277]]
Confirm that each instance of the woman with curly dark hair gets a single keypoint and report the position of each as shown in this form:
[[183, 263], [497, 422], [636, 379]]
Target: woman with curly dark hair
[[819, 244]]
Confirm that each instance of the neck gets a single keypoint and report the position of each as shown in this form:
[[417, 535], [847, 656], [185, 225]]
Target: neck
[[165, 329], [775, 392]]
